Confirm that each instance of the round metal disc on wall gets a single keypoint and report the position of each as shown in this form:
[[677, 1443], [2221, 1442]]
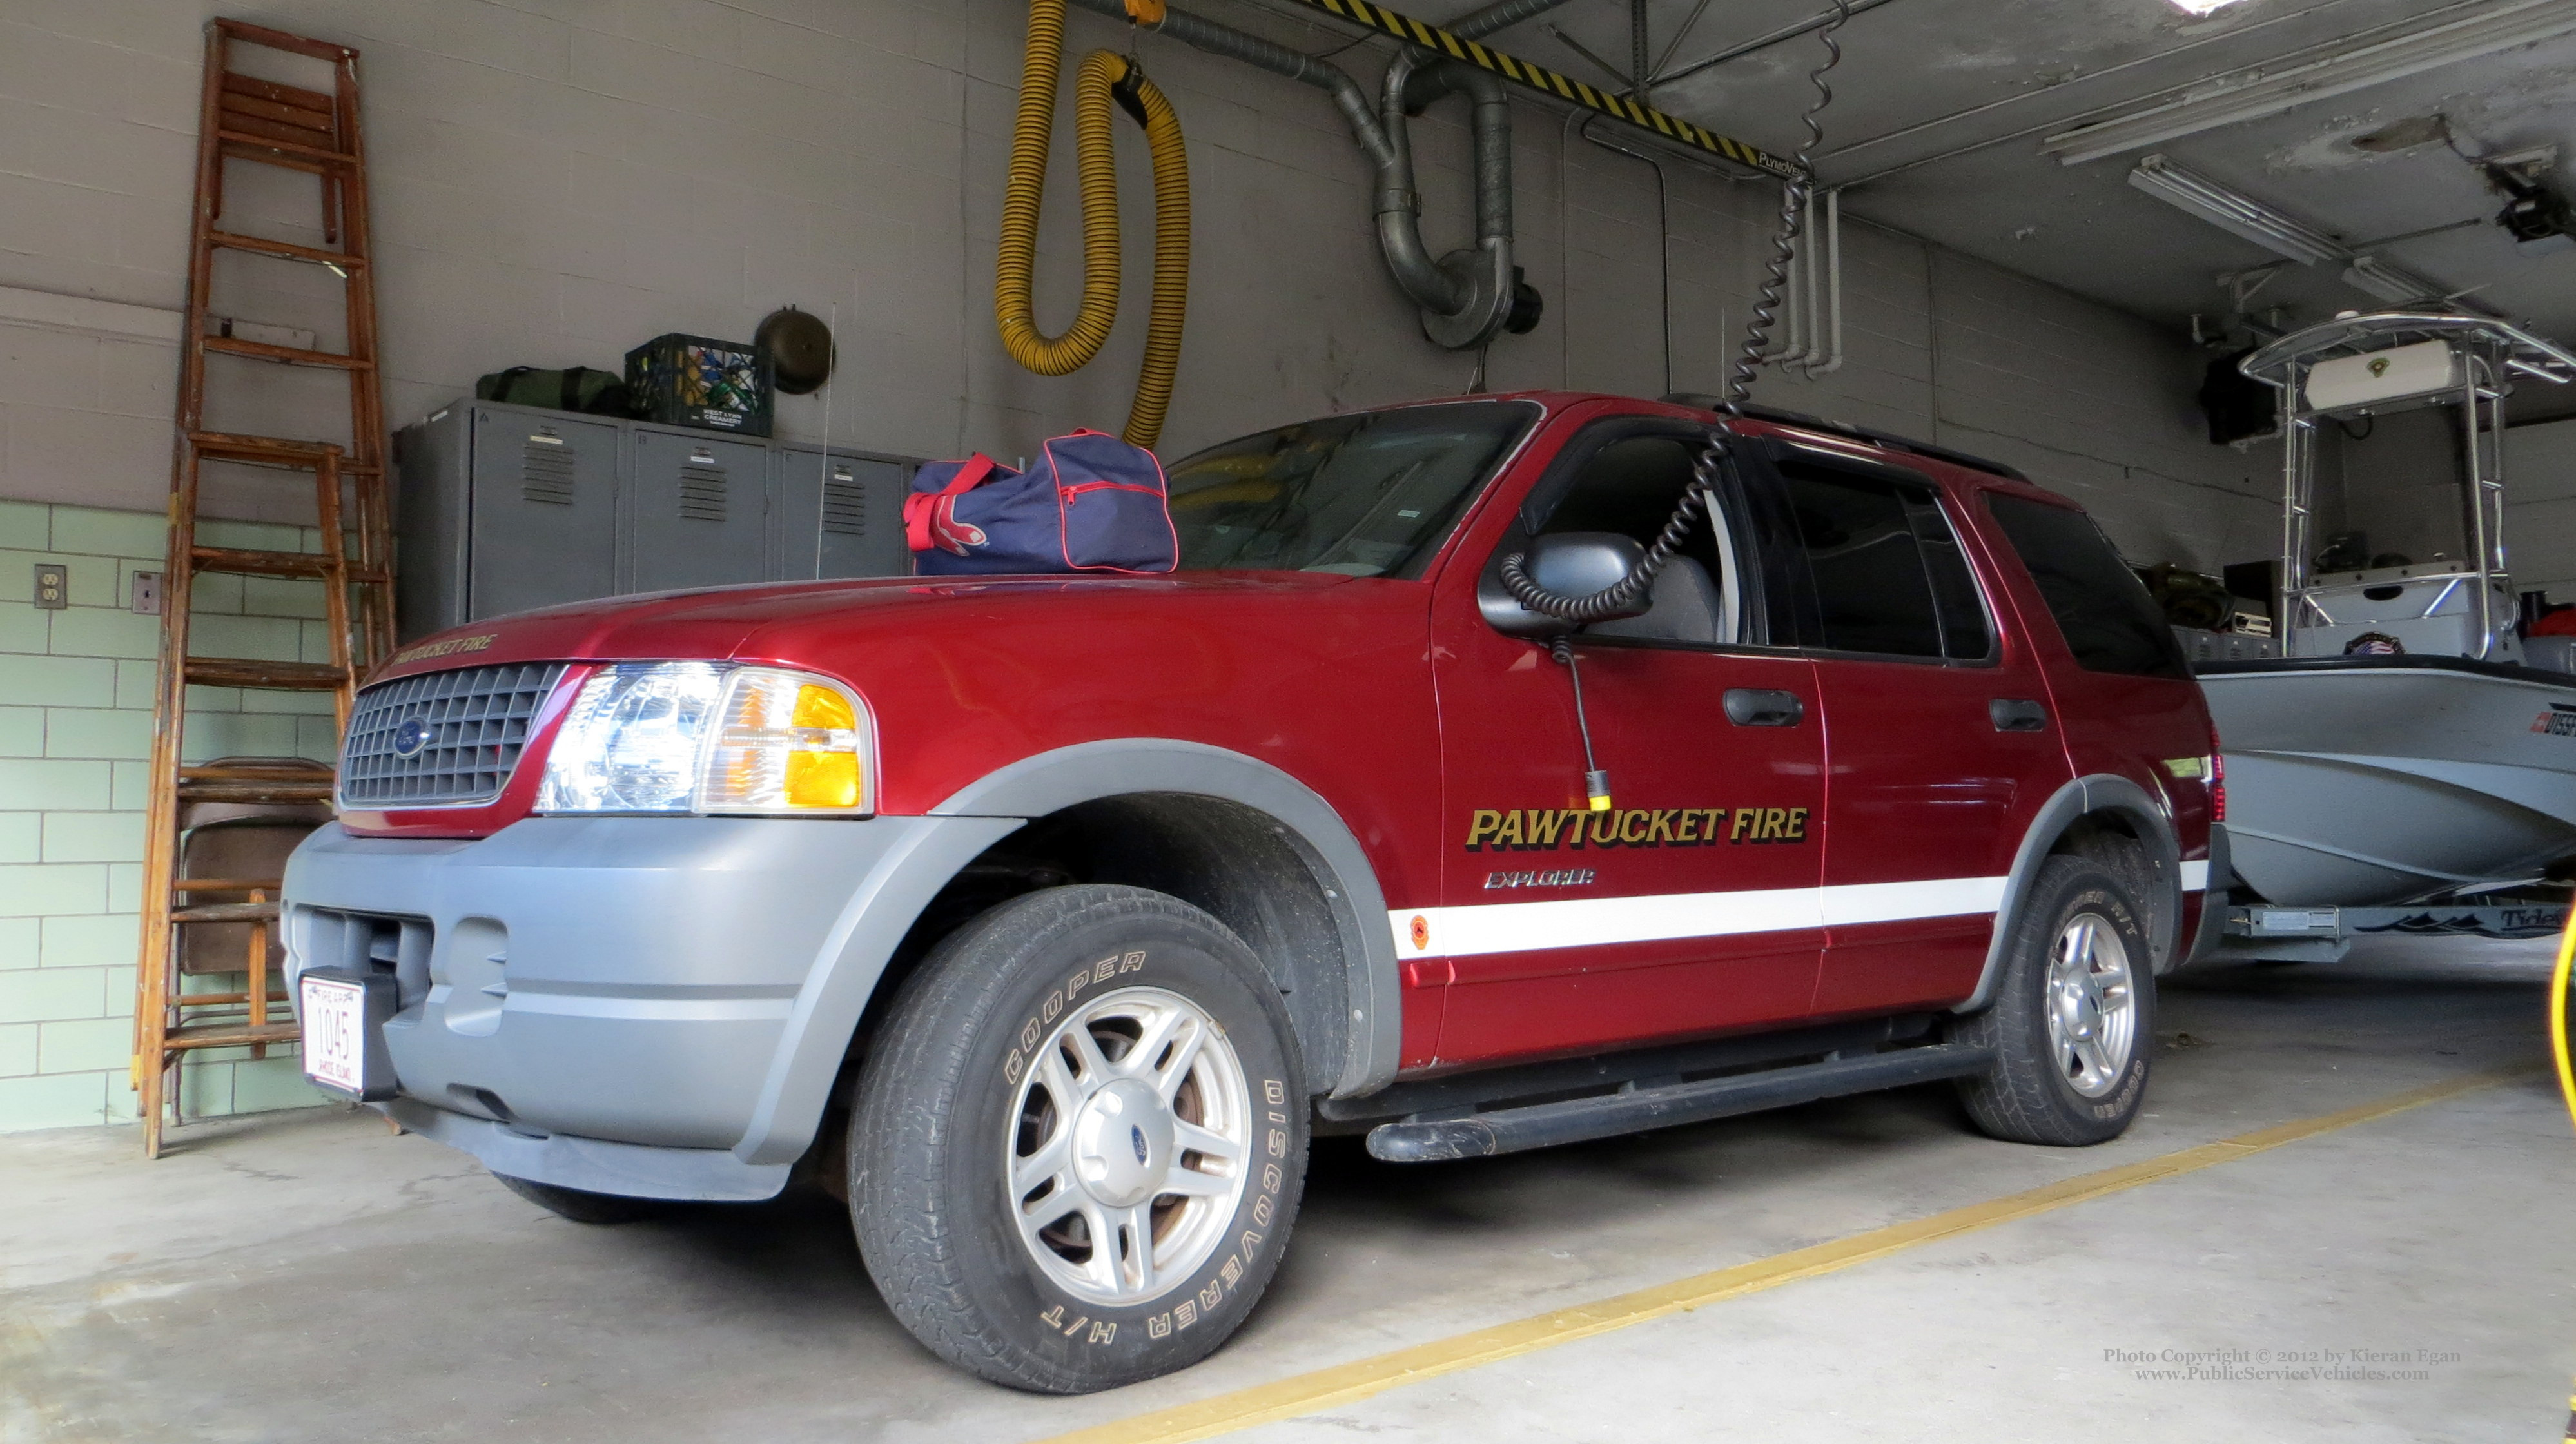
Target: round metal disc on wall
[[799, 347]]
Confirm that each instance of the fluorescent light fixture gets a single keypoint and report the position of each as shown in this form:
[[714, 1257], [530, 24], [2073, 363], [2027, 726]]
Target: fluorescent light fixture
[[2237, 214], [2257, 91], [2389, 281], [2201, 7]]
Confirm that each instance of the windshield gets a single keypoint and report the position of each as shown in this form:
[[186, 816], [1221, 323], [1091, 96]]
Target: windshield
[[1367, 495]]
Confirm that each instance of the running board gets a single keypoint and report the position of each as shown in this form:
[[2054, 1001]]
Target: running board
[[1632, 1108]]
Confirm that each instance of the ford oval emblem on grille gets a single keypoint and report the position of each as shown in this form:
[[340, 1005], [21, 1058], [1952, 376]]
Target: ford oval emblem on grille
[[411, 738]]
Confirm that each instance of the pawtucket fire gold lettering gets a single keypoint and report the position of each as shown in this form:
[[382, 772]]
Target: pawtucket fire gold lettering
[[1547, 829]]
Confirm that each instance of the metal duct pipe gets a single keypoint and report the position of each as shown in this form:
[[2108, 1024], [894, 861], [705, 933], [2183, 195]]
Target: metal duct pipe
[[1465, 296], [1251, 49], [1477, 24]]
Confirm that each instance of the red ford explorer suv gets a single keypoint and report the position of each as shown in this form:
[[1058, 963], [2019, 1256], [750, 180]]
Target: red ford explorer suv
[[1047, 918]]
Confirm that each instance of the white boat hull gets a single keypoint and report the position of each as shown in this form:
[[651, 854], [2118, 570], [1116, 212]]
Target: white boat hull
[[2357, 785]]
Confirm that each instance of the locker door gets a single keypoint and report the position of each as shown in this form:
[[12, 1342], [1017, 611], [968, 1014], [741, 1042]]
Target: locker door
[[697, 511], [857, 520], [543, 512]]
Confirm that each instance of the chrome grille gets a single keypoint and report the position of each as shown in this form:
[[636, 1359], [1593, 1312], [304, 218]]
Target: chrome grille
[[477, 721]]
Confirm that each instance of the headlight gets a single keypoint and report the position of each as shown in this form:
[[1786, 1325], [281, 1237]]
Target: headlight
[[701, 737]]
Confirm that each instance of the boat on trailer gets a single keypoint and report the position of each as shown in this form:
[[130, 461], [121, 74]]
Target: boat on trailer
[[2403, 759]]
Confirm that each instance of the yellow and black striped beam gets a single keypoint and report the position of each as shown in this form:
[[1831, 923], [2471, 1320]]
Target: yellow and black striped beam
[[1548, 82]]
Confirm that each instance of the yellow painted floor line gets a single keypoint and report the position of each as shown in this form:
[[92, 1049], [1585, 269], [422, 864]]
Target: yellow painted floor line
[[1346, 1383]]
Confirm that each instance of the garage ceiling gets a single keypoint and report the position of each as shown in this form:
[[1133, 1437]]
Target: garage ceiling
[[1943, 109]]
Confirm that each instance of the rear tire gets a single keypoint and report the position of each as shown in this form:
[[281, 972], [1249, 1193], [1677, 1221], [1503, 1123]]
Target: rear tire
[[582, 1206], [2072, 1021], [1079, 1141]]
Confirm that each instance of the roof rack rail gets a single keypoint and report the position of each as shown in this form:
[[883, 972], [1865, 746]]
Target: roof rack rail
[[1786, 417]]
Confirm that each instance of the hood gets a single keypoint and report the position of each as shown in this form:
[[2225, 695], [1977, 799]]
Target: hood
[[780, 620]]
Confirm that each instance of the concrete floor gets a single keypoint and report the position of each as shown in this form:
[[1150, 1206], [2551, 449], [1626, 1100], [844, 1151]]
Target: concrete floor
[[311, 1277]]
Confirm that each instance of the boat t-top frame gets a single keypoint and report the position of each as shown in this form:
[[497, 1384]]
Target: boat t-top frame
[[2490, 353]]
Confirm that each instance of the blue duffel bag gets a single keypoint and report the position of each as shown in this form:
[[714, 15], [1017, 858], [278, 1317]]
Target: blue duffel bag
[[1093, 503]]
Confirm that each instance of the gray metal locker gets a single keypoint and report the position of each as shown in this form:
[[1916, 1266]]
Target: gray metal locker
[[502, 508], [697, 510], [544, 511], [852, 525]]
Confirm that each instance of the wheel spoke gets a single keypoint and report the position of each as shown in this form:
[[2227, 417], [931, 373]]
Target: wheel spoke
[[1050, 1161], [1096, 1067], [1135, 1245], [1037, 1217], [1177, 1072], [2088, 1054], [1190, 1183], [1191, 1138], [1158, 1035], [1102, 1270], [1060, 1083]]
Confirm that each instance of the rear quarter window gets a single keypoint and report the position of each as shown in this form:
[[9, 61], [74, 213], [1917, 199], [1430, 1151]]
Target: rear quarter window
[[2108, 620]]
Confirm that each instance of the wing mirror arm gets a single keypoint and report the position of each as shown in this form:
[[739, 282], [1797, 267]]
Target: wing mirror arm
[[1575, 563]]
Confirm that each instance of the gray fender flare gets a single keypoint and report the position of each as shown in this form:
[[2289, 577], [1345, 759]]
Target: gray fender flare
[[1090, 771], [2098, 792], [877, 915], [863, 937]]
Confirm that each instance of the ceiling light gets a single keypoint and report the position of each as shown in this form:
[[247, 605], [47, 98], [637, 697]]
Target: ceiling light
[[2257, 91], [2237, 214], [2390, 282], [2201, 7]]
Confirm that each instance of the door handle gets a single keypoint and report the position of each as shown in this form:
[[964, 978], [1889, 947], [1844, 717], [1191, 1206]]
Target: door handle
[[2012, 715], [1756, 707]]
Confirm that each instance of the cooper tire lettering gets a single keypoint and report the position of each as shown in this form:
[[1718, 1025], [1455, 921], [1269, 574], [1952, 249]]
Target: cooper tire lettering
[[968, 1038]]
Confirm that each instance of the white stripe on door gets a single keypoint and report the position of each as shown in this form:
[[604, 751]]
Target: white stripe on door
[[1465, 932]]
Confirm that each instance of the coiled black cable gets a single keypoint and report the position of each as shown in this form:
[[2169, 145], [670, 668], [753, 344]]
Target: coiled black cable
[[1621, 597]]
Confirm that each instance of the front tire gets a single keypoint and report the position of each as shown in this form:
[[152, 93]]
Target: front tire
[[1080, 1140], [2073, 1016]]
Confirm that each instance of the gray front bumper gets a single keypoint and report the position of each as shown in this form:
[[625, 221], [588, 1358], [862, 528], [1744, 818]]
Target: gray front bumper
[[652, 1006]]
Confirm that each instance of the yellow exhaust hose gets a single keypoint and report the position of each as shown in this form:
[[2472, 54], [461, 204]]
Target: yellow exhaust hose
[[1013, 306]]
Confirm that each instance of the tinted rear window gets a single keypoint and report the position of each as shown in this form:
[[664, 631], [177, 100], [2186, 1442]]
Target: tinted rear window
[[1889, 578], [2106, 616]]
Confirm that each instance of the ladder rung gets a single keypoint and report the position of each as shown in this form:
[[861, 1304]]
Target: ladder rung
[[248, 912], [227, 884], [245, 146], [242, 120], [221, 1000], [280, 40], [236, 83], [257, 673], [232, 446], [291, 355], [273, 792], [261, 564], [280, 770], [226, 1035], [283, 250]]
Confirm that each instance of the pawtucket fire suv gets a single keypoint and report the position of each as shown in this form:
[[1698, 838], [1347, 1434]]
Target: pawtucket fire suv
[[1047, 918]]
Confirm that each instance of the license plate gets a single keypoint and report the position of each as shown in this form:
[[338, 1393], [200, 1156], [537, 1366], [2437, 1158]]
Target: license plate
[[335, 1035]]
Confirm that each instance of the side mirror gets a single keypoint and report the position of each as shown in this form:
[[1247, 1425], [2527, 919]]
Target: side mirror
[[1574, 564]]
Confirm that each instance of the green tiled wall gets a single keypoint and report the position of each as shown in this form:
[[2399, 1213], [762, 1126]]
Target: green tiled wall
[[75, 733]]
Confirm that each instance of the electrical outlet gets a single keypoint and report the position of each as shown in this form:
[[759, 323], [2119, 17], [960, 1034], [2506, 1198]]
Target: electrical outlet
[[147, 594], [53, 586]]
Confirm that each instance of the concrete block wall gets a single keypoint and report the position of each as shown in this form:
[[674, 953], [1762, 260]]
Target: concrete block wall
[[558, 180], [76, 691]]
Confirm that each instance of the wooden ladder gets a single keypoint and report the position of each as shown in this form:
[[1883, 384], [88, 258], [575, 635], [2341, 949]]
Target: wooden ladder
[[261, 122]]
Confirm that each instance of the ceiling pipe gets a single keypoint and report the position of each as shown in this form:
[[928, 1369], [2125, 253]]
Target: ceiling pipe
[[1808, 26], [1501, 15]]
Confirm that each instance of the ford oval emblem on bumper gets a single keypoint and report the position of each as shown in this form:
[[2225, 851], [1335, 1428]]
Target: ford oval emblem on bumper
[[411, 738]]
